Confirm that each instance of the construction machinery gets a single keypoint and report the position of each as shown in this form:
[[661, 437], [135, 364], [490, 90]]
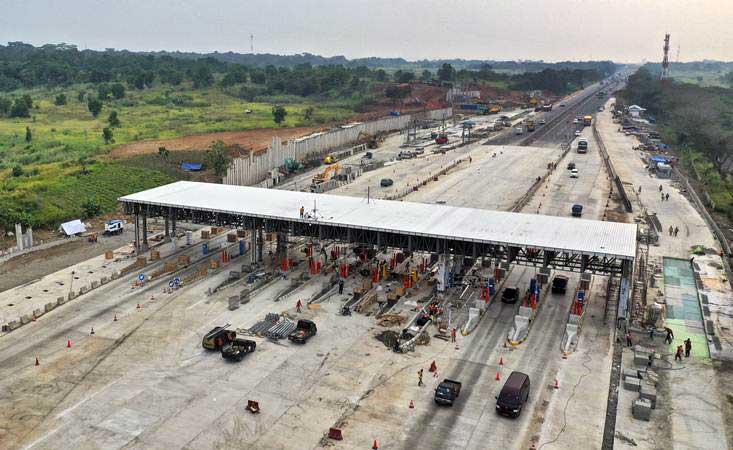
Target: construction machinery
[[305, 330], [368, 139], [218, 337], [292, 165], [326, 175], [329, 159]]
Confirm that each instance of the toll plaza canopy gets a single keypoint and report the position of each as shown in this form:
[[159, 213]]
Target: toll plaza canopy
[[570, 243]]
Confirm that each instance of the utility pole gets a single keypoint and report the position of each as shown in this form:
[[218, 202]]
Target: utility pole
[[665, 61], [252, 43]]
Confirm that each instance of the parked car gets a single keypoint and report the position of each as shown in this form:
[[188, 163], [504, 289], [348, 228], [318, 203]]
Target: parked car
[[305, 330], [405, 155], [510, 294], [573, 173], [559, 284], [576, 121], [513, 395], [542, 121], [236, 349], [419, 150], [577, 133], [577, 210], [571, 166], [518, 131], [218, 337], [562, 105], [386, 182]]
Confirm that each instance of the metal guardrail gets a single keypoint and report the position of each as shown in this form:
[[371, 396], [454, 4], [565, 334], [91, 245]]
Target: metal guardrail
[[611, 170]]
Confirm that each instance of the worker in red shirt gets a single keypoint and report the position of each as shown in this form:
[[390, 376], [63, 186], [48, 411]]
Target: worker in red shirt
[[298, 305], [453, 335]]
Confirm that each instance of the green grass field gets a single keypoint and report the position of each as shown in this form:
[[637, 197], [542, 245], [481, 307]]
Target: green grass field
[[67, 138]]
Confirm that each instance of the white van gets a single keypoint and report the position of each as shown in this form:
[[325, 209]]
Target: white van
[[518, 131]]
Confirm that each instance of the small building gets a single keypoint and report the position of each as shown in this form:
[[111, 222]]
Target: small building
[[636, 111]]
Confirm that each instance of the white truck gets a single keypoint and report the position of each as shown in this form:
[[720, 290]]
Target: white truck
[[114, 226]]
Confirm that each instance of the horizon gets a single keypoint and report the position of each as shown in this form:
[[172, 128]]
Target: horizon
[[622, 31]]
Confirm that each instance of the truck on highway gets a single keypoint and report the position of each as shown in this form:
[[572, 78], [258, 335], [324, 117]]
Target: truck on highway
[[236, 349], [304, 330], [447, 392], [587, 120], [530, 125]]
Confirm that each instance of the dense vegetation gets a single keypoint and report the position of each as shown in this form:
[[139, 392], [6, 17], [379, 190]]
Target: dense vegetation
[[704, 73], [698, 122], [62, 111]]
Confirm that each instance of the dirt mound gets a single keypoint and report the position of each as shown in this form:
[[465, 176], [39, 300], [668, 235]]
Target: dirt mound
[[388, 338], [243, 140]]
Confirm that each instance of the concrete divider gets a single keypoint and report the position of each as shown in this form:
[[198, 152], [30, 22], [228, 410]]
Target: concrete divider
[[38, 312], [520, 328], [95, 284], [24, 319], [49, 306], [570, 338], [60, 301]]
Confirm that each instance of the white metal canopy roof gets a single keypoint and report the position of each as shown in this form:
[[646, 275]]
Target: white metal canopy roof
[[591, 237]]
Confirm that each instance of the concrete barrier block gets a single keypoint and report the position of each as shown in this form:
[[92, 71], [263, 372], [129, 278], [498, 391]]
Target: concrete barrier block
[[103, 280], [95, 284], [60, 301], [38, 312], [24, 319], [13, 324], [632, 384], [630, 373], [72, 295], [83, 290], [49, 306], [641, 358], [519, 330], [235, 274], [642, 409], [649, 392], [244, 297], [115, 275], [525, 311], [574, 319]]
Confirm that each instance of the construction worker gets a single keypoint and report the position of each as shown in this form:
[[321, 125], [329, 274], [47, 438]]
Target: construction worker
[[678, 354], [662, 194], [302, 212], [651, 333], [299, 305], [676, 230], [688, 347], [341, 286], [639, 189], [453, 335], [660, 188], [666, 196], [670, 335], [628, 339], [671, 230], [419, 377]]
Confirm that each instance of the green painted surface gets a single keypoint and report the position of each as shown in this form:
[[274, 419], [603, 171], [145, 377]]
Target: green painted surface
[[684, 316]]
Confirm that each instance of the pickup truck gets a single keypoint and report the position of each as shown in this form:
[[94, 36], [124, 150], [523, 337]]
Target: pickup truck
[[447, 392], [303, 331], [559, 284], [236, 349], [218, 337]]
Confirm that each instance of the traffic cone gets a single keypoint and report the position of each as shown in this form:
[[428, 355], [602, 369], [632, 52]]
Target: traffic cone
[[152, 297], [501, 360], [412, 404], [37, 363], [375, 446], [498, 377], [92, 331], [557, 384], [115, 319], [68, 343], [564, 355], [138, 306]]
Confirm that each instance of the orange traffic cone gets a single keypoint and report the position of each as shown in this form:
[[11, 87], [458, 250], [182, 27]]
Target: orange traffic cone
[[37, 363], [501, 360], [557, 384], [68, 343], [375, 446], [498, 377], [92, 331], [412, 404]]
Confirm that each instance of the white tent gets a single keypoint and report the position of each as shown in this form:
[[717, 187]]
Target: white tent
[[73, 227]]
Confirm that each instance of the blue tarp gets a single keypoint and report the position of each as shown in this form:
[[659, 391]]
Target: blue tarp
[[659, 159], [662, 146], [191, 167]]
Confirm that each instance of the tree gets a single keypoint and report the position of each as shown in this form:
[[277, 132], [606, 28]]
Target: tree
[[91, 208], [20, 108], [94, 105], [80, 96], [217, 158], [426, 76], [117, 90], [17, 171], [397, 92], [113, 120], [60, 100], [202, 77], [5, 106], [446, 72], [107, 135], [278, 114], [308, 113], [380, 75], [103, 91], [28, 134], [403, 76], [28, 100]]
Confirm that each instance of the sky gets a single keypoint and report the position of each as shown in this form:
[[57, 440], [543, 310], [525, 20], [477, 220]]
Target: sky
[[550, 30]]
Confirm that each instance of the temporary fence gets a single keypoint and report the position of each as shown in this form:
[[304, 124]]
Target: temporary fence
[[254, 169]]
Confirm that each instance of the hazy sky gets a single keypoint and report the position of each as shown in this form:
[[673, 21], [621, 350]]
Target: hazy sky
[[622, 30]]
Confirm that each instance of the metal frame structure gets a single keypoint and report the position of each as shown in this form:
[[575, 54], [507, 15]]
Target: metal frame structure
[[561, 259]]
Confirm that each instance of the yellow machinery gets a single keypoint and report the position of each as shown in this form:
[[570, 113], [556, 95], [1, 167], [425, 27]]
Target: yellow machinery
[[328, 159], [326, 174], [369, 140]]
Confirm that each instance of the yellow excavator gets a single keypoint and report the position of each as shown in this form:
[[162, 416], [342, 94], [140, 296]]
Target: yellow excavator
[[369, 140], [326, 175]]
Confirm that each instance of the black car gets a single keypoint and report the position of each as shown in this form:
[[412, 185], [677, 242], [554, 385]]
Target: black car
[[386, 182], [236, 349], [510, 294], [559, 284], [513, 395], [571, 166]]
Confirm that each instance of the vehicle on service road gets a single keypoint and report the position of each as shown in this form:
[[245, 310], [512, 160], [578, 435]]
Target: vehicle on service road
[[405, 155], [510, 294], [559, 284], [305, 330], [114, 226], [542, 122], [218, 337], [386, 182], [577, 210], [447, 392], [571, 165], [518, 131], [573, 173], [577, 133], [513, 395], [582, 145], [236, 349], [419, 150]]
